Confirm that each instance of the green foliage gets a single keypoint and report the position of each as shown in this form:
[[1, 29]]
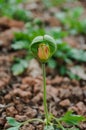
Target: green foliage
[[50, 3], [30, 32], [16, 1], [78, 55], [65, 54], [52, 63], [19, 66], [11, 9], [23, 39], [23, 36], [15, 125], [69, 119], [34, 29], [38, 21], [23, 15], [71, 20], [62, 51], [20, 45], [12, 121], [58, 33], [72, 119], [11, 1]]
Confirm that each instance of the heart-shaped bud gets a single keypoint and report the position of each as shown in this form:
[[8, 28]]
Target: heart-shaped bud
[[43, 47]]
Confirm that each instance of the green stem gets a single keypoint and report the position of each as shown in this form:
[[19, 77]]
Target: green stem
[[45, 94], [58, 121], [31, 120], [61, 126]]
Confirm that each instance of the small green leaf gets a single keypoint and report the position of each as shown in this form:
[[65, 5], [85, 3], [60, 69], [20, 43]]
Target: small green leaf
[[52, 63], [72, 119], [48, 128], [13, 122], [19, 67]]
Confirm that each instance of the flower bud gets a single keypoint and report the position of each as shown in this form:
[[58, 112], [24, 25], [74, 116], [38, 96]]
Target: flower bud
[[43, 47], [43, 52]]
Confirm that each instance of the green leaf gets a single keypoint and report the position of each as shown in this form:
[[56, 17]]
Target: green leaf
[[62, 70], [72, 119], [21, 36], [14, 128], [23, 15], [48, 128], [52, 63], [72, 75], [20, 45], [70, 20], [77, 55], [57, 33], [13, 122], [77, 12], [18, 68], [64, 47]]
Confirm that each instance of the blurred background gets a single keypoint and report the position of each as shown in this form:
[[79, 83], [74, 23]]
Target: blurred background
[[65, 20]]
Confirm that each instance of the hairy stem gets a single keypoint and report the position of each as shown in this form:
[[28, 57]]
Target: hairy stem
[[45, 94]]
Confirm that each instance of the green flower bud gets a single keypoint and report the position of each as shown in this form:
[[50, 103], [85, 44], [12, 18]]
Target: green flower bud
[[43, 47]]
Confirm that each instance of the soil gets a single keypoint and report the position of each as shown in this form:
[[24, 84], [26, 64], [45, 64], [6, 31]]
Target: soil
[[21, 96]]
